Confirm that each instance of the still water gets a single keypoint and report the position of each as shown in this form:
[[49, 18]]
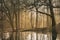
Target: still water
[[31, 36]]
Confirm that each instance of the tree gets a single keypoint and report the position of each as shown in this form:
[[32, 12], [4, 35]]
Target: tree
[[46, 3], [12, 8], [54, 33], [11, 12]]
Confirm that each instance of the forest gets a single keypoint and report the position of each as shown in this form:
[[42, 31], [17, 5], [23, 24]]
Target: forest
[[29, 19]]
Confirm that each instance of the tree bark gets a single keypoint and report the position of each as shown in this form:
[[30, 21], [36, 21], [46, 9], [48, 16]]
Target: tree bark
[[54, 33]]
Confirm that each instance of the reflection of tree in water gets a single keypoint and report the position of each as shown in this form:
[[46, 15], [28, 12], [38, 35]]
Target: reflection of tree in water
[[40, 36], [5, 36]]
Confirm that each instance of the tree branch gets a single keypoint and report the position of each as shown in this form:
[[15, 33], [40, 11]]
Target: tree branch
[[42, 13]]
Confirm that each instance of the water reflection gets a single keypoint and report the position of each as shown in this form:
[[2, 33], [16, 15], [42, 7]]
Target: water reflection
[[58, 37], [36, 36], [31, 36], [4, 35], [40, 36]]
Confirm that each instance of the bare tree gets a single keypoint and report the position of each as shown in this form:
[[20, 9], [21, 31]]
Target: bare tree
[[46, 3], [12, 8], [54, 33]]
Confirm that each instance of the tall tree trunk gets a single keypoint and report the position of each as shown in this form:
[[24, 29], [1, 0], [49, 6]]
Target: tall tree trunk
[[36, 22], [54, 33], [16, 24]]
